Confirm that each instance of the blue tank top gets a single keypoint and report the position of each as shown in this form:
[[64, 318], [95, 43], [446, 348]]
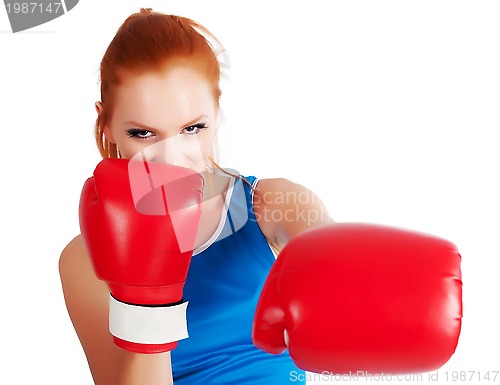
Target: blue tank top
[[223, 286]]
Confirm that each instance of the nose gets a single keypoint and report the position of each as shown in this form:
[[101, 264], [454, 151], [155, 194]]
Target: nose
[[165, 151], [175, 150]]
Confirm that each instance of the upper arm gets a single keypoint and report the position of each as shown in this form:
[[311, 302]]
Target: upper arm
[[284, 209], [87, 301]]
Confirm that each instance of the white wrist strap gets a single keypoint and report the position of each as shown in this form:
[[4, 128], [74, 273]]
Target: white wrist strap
[[147, 325]]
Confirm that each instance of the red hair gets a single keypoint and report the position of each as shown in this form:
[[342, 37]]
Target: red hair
[[152, 41]]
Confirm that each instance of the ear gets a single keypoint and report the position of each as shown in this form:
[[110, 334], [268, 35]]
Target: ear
[[106, 130], [98, 107], [217, 119]]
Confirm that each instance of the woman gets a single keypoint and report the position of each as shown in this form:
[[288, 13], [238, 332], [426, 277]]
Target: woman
[[160, 98]]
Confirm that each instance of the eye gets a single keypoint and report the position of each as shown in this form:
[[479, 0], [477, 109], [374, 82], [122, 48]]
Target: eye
[[139, 133], [194, 129]]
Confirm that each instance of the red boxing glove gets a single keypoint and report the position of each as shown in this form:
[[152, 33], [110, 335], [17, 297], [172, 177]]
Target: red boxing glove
[[139, 222], [352, 298]]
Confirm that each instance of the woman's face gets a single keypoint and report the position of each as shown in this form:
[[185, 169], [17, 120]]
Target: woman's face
[[169, 117]]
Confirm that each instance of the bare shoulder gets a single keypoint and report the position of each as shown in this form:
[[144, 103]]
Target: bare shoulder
[[284, 208], [283, 194], [262, 201], [267, 187]]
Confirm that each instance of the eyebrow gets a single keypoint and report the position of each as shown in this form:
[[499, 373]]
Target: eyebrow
[[132, 123]]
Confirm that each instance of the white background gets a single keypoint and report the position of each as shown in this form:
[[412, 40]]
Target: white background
[[388, 110]]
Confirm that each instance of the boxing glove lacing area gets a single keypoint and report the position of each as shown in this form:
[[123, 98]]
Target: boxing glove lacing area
[[147, 325]]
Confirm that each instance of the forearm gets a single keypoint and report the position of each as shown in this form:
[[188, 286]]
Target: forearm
[[145, 369]]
